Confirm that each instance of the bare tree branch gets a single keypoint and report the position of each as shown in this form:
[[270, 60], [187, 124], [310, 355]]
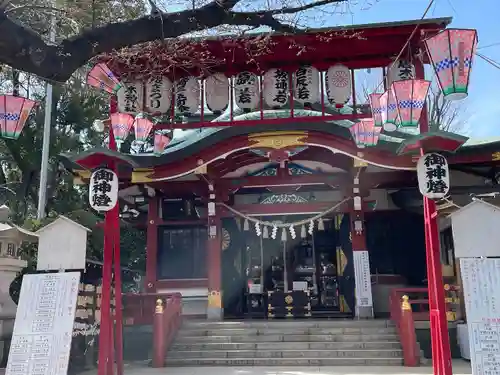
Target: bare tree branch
[[24, 49]]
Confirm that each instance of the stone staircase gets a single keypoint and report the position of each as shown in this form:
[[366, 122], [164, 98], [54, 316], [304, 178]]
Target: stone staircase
[[286, 343]]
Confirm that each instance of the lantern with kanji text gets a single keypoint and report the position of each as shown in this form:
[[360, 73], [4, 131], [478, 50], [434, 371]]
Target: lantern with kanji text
[[14, 111], [217, 92], [433, 176], [306, 85], [247, 91], [102, 78], [275, 88], [103, 190], [158, 95], [400, 70], [121, 124], [376, 109], [410, 98], [130, 97], [187, 95], [142, 127], [452, 53], [160, 142], [389, 111]]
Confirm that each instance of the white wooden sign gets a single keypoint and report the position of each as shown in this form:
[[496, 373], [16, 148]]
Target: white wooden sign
[[43, 327], [481, 283], [362, 279]]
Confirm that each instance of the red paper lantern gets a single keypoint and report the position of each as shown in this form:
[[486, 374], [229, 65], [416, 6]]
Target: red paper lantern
[[410, 98], [160, 142], [142, 127], [452, 54], [358, 134], [102, 78], [389, 111], [376, 108], [371, 132], [121, 123], [14, 111]]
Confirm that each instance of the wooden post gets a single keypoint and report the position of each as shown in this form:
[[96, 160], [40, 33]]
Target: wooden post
[[159, 345], [411, 352], [152, 245]]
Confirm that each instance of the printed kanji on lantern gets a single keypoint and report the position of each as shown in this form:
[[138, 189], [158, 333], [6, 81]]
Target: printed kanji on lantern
[[142, 128], [452, 53], [160, 142], [275, 87], [103, 190], [376, 108], [389, 111], [217, 92], [410, 98], [121, 123], [14, 111], [306, 85], [102, 78], [433, 176]]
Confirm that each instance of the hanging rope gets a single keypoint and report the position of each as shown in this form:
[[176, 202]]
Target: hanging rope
[[285, 225]]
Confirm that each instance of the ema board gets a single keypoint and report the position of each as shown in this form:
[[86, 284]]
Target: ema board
[[43, 327]]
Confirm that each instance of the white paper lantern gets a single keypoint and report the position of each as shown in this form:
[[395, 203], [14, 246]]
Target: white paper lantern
[[338, 85], [247, 91], [187, 98], [275, 87], [401, 70], [130, 97], [217, 92], [158, 95], [103, 190], [433, 176], [306, 85]]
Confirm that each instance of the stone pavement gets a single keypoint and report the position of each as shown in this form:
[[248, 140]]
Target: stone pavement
[[459, 368]]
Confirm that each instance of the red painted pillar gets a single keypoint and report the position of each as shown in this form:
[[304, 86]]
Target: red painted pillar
[[440, 339], [214, 255], [152, 245]]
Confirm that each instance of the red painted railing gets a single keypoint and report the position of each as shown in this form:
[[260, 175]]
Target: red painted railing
[[166, 323], [418, 299], [402, 316]]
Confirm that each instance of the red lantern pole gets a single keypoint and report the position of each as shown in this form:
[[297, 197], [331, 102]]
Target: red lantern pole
[[440, 339]]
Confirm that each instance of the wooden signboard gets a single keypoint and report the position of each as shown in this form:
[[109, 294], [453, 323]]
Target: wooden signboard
[[43, 327]]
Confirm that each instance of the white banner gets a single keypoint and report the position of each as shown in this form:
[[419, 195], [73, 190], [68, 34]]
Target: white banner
[[362, 279], [481, 284], [43, 328]]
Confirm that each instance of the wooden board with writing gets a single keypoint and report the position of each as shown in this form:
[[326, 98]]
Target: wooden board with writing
[[362, 279], [481, 283], [43, 327]]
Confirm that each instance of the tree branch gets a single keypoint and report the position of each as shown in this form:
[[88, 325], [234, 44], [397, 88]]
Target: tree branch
[[22, 48]]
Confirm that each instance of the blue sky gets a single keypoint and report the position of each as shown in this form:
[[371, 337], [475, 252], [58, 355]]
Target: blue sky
[[482, 107]]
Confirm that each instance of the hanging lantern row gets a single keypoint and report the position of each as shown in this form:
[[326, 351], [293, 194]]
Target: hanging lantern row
[[263, 230], [14, 111], [365, 133], [155, 95]]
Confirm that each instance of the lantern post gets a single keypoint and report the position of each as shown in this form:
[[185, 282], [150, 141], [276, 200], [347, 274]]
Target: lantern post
[[440, 340]]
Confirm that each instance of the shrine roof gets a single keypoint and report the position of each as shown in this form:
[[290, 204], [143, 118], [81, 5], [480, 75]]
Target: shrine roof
[[356, 46]]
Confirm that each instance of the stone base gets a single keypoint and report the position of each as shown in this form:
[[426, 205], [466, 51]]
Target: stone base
[[364, 312], [215, 313]]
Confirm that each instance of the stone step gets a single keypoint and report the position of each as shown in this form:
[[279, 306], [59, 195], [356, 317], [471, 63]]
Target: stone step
[[287, 338], [286, 354], [287, 331], [334, 323], [303, 361], [288, 346]]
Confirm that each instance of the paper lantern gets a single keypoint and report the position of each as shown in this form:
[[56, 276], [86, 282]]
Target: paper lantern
[[158, 95], [306, 85], [130, 97], [187, 95], [433, 176], [358, 134], [338, 85], [376, 108], [410, 98], [142, 127], [102, 78], [371, 132], [121, 124], [389, 111], [247, 91], [217, 93], [400, 70], [160, 142], [452, 54], [103, 190], [275, 88], [14, 111]]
